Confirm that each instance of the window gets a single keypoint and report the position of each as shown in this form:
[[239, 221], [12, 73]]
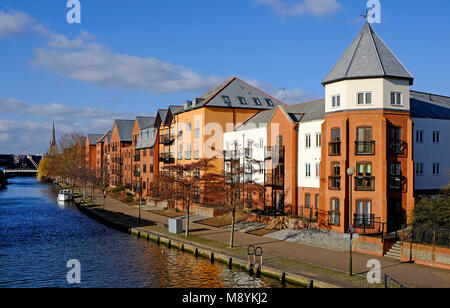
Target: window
[[419, 169], [257, 101], [436, 169], [189, 127], [180, 131], [188, 151], [364, 144], [152, 168], [317, 170], [396, 145], [307, 200], [364, 179], [269, 102], [419, 136], [145, 168], [334, 214], [316, 204], [335, 144], [396, 99], [436, 137], [308, 170], [242, 101], [363, 216], [180, 151], [308, 141], [196, 150], [395, 176], [226, 99], [318, 140], [335, 101], [335, 178], [365, 98], [197, 129]]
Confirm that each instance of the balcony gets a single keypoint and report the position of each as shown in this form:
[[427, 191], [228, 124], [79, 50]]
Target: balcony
[[398, 148], [167, 139], [231, 155], [364, 221], [397, 183], [137, 173], [137, 158], [166, 158], [335, 148], [364, 147], [364, 183], [334, 218], [274, 180], [334, 182], [274, 152]]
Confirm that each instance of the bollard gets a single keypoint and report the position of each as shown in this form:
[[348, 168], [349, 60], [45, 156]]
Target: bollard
[[182, 247], [148, 237], [212, 257], [250, 269], [196, 252], [169, 244], [139, 234], [158, 241], [258, 271], [311, 284], [283, 278], [230, 263]]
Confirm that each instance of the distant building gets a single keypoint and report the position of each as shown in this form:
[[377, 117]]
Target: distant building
[[53, 149]]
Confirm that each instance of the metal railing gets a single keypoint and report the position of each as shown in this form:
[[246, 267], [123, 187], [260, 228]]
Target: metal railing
[[335, 148], [231, 155], [397, 183], [334, 182], [274, 152], [334, 218], [364, 147], [364, 183], [275, 180], [398, 148]]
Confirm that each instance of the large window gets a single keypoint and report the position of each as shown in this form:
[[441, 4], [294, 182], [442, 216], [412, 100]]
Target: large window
[[364, 144], [364, 179], [335, 143], [363, 217], [335, 178], [396, 144], [307, 200], [395, 175]]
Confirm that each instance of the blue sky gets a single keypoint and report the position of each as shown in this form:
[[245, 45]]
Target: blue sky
[[134, 57]]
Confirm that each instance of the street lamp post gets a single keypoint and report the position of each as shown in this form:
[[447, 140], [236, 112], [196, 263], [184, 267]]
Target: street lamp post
[[350, 172]]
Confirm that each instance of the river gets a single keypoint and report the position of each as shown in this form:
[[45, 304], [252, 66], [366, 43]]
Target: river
[[38, 236]]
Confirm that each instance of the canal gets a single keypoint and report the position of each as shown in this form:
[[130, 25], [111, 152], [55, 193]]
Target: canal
[[38, 236]]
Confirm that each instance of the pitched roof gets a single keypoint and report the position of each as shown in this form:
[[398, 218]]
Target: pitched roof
[[426, 105], [145, 121], [105, 136], [147, 138], [367, 57], [303, 112], [92, 138], [125, 129], [233, 89]]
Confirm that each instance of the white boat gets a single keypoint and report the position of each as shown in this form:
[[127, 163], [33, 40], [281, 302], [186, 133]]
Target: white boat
[[65, 195]]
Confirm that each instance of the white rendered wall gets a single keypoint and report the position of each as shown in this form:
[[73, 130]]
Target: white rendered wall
[[310, 155], [429, 153]]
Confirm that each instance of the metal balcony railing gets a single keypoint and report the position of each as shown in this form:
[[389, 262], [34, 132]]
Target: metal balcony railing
[[364, 183], [231, 155], [274, 152], [398, 148], [334, 182], [167, 139], [335, 148], [364, 147], [364, 221], [397, 182], [274, 180]]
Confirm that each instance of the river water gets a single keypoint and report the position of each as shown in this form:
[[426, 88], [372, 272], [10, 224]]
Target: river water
[[38, 236]]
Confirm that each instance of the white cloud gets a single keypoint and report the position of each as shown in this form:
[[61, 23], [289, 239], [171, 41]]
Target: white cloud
[[318, 8], [18, 23], [32, 132]]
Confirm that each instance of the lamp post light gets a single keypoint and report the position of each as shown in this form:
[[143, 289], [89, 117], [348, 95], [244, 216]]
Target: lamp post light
[[350, 173]]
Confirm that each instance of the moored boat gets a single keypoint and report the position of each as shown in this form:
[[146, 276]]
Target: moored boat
[[65, 195]]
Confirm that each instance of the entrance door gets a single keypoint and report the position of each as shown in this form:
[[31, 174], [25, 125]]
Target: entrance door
[[396, 216]]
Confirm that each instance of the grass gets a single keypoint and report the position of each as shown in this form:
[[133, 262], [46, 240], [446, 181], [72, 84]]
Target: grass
[[168, 213], [261, 232], [224, 220]]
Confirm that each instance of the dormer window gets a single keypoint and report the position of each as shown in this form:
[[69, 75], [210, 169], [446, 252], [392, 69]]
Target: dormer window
[[269, 102], [257, 101], [335, 101], [365, 98], [226, 99], [396, 99], [242, 101]]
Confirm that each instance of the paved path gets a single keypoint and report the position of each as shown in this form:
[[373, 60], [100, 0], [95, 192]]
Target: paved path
[[411, 275]]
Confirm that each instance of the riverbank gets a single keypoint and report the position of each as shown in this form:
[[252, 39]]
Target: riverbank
[[308, 262]]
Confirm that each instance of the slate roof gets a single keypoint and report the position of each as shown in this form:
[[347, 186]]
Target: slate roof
[[145, 121], [367, 57], [303, 112], [147, 138], [233, 89], [426, 105], [125, 129], [105, 136], [92, 138]]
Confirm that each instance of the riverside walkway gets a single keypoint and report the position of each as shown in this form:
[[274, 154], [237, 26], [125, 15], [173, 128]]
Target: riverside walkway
[[316, 263]]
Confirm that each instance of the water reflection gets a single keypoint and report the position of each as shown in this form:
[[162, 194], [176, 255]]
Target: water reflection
[[38, 235]]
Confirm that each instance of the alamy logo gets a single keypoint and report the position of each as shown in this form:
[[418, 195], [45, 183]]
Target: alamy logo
[[374, 274], [74, 14], [74, 275], [374, 11]]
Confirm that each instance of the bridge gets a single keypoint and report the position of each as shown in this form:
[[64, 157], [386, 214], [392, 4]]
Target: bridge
[[28, 166]]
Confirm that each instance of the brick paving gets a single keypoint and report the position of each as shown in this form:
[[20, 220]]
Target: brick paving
[[411, 275]]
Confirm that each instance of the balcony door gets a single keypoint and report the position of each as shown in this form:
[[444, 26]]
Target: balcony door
[[364, 140]]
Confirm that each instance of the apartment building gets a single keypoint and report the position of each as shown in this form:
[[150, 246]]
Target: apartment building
[[391, 137], [142, 158], [91, 149], [103, 157], [121, 142], [166, 122]]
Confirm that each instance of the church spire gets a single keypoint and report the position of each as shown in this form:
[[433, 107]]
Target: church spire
[[53, 147]]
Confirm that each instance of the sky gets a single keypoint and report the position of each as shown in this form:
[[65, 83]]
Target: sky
[[129, 58]]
